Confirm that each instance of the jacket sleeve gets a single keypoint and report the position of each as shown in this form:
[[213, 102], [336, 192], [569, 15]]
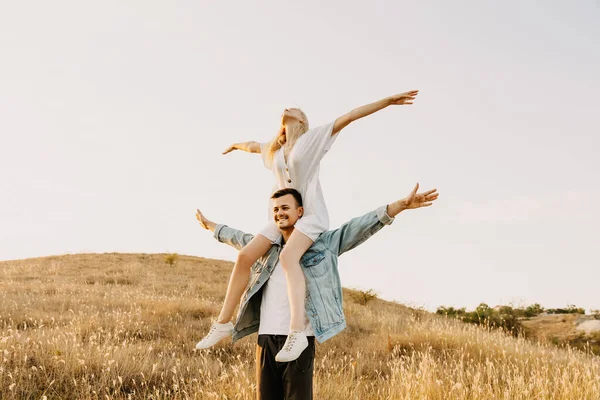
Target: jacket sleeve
[[232, 237], [356, 231]]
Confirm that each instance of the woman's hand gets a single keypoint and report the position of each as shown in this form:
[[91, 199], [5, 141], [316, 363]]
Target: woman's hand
[[403, 98], [250, 147], [230, 149]]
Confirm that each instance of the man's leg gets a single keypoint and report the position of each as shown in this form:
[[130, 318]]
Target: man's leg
[[269, 373], [298, 374]]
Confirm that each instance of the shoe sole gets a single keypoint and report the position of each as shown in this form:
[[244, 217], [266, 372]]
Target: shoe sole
[[280, 360], [213, 345]]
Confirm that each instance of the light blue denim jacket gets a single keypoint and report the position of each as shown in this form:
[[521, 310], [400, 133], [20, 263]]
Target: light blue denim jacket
[[320, 264]]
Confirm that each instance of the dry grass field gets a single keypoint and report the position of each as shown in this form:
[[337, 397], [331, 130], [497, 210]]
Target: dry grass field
[[120, 326]]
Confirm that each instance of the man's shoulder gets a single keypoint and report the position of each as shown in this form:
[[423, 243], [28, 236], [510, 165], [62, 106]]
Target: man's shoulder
[[323, 240], [355, 225]]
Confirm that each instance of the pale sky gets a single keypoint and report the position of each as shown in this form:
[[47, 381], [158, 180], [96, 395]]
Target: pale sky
[[113, 117]]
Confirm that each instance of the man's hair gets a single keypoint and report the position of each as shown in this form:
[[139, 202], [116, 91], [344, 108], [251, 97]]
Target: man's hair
[[293, 192]]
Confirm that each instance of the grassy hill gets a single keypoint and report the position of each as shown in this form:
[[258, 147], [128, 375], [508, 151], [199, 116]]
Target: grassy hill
[[124, 326]]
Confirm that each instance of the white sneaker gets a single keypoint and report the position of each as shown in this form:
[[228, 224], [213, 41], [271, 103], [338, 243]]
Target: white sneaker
[[216, 333], [294, 345]]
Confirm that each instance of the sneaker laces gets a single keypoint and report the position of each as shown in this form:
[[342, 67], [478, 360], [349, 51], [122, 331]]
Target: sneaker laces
[[211, 331], [290, 341]]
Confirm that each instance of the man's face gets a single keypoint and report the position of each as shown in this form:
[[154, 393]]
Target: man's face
[[286, 211]]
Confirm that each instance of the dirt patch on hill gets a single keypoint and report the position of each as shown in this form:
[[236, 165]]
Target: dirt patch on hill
[[589, 327], [550, 327], [576, 330]]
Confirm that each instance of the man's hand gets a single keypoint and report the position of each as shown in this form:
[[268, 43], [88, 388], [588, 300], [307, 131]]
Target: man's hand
[[413, 200], [418, 200], [205, 223]]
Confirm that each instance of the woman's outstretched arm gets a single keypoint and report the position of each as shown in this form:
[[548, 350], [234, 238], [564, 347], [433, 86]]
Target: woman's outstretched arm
[[250, 147], [360, 112]]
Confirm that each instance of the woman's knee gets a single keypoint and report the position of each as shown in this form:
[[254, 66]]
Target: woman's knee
[[245, 259]]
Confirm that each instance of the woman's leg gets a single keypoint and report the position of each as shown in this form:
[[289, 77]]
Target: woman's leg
[[295, 247], [240, 275], [238, 281]]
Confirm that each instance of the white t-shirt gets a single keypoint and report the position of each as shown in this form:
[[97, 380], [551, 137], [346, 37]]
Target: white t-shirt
[[275, 307], [301, 172]]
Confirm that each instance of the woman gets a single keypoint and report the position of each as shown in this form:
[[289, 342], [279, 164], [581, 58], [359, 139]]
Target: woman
[[294, 156]]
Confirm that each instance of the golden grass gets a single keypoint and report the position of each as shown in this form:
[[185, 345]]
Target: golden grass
[[124, 326]]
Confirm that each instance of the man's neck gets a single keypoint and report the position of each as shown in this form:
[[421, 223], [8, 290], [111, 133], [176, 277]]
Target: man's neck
[[285, 234]]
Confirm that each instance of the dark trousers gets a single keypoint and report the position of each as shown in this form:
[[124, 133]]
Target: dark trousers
[[283, 381]]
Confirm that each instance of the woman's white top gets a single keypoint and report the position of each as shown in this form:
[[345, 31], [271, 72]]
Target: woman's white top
[[301, 172]]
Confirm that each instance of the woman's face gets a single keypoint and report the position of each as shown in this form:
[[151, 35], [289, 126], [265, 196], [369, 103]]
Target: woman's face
[[291, 114]]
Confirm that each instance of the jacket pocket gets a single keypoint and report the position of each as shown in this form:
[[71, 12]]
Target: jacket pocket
[[313, 262]]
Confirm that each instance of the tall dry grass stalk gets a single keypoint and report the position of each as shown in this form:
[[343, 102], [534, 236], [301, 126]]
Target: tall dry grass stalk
[[120, 326]]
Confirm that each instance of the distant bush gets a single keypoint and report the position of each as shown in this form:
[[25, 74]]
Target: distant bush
[[532, 310], [502, 318], [451, 311], [171, 259], [595, 314], [507, 317], [571, 309], [362, 297]]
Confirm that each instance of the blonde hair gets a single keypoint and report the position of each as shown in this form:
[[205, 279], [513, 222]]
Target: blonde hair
[[281, 137]]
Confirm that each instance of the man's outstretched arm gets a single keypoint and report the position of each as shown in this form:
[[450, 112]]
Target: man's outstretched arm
[[223, 233], [359, 229]]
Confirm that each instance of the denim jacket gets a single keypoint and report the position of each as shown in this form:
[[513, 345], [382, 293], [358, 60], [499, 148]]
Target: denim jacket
[[320, 266]]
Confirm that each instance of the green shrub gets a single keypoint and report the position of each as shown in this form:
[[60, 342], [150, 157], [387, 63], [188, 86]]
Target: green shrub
[[171, 259], [362, 297], [533, 310], [451, 311], [571, 309], [505, 317]]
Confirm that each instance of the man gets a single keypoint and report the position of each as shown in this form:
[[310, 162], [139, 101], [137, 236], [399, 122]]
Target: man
[[265, 307]]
